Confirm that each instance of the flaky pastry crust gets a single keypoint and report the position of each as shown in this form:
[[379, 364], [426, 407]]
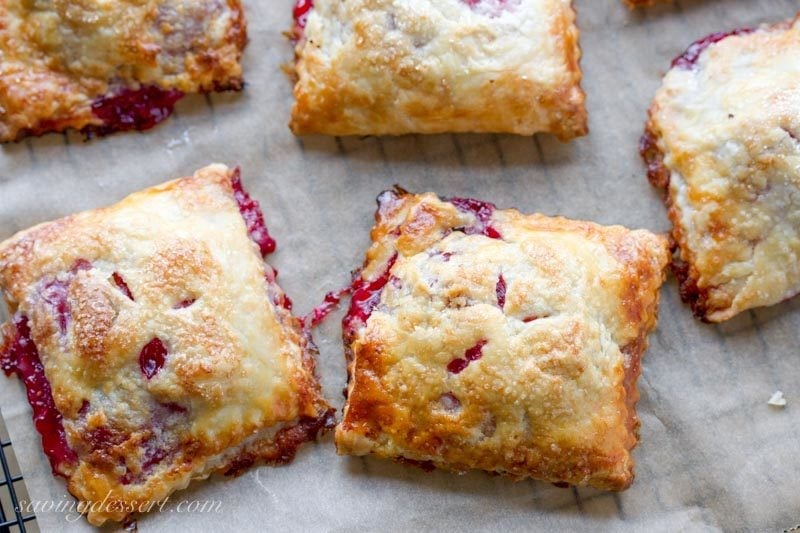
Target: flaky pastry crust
[[169, 348], [390, 67], [60, 58], [500, 341], [722, 140]]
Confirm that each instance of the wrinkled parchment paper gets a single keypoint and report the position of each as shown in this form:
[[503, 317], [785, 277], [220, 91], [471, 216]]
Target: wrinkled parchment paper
[[713, 454]]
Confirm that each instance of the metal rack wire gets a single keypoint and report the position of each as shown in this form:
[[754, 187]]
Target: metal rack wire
[[12, 517]]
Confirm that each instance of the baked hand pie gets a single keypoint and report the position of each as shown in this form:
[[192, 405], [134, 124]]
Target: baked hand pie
[[111, 65], [488, 339], [391, 67], [155, 345], [722, 140]]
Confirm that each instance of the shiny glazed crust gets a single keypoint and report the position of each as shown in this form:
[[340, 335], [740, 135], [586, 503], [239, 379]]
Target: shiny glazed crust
[[58, 57], [238, 383], [552, 395], [386, 67], [722, 139]]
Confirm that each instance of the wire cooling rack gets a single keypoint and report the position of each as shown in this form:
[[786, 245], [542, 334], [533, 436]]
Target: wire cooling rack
[[13, 519]]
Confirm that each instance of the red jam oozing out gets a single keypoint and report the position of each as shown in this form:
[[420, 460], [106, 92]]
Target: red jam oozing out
[[285, 302], [251, 213], [20, 356], [483, 213], [276, 296], [500, 291], [302, 8], [119, 281], [688, 59], [366, 295], [134, 109], [331, 302], [152, 357], [472, 354]]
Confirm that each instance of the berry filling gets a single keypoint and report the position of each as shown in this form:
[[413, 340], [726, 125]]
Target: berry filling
[[450, 402], [500, 291], [657, 173], [321, 312], [55, 293], [472, 354], [301, 10], [366, 295], [483, 213], [276, 296], [489, 8], [134, 109], [161, 442], [119, 281], [688, 59], [103, 438], [251, 213], [152, 357], [286, 442], [20, 356], [183, 304]]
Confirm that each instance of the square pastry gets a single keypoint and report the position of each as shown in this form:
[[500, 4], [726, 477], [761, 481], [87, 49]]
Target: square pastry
[[723, 140], [155, 345], [110, 65], [488, 339], [391, 67]]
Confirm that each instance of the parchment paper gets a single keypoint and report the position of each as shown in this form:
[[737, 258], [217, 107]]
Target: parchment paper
[[713, 454]]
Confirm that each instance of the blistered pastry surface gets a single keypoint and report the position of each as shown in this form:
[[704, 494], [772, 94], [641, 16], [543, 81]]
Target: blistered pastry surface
[[167, 357], [425, 66], [516, 354], [724, 134]]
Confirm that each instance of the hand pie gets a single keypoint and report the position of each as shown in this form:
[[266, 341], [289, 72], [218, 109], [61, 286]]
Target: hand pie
[[105, 66], [722, 139], [391, 67], [483, 338], [155, 345]]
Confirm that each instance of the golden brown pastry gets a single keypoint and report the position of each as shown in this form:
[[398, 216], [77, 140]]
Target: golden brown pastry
[[484, 338], [390, 67], [722, 139], [155, 344], [111, 65]]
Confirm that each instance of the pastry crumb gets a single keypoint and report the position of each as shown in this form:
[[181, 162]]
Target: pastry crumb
[[777, 399]]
